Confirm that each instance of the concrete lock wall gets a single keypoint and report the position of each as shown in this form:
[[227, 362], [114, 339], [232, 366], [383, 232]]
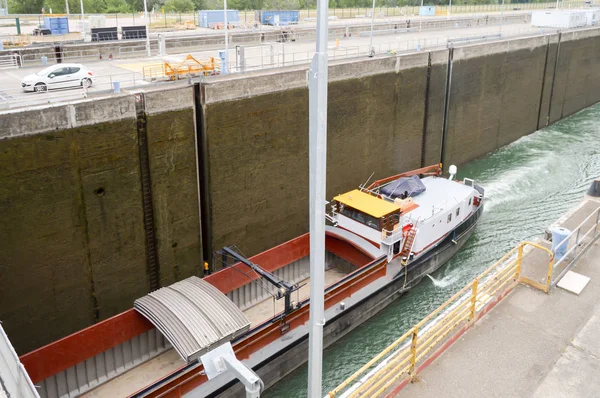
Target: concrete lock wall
[[109, 198], [74, 249]]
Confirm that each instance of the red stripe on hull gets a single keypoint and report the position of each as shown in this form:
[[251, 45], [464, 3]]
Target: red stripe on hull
[[73, 349]]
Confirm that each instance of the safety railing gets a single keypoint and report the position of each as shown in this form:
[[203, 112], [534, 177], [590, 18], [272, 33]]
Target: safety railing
[[404, 358], [12, 61], [581, 245]]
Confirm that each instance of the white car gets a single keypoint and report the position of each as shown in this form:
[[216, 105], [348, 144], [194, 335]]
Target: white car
[[58, 76]]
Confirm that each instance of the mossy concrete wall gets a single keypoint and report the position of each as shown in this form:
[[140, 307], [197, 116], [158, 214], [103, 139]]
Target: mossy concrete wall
[[72, 239]]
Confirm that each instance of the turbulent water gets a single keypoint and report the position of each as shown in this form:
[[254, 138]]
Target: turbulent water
[[528, 184]]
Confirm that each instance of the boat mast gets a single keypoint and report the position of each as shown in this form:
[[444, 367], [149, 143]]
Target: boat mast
[[317, 100]]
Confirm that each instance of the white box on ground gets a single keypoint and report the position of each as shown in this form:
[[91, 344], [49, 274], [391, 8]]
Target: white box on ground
[[559, 19], [573, 282]]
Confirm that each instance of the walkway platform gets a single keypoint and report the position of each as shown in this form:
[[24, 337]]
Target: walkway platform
[[531, 344]]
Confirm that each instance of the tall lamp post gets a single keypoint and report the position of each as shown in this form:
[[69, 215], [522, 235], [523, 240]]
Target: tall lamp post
[[148, 52], [371, 51], [501, 16], [420, 16], [317, 143], [82, 20], [226, 37]]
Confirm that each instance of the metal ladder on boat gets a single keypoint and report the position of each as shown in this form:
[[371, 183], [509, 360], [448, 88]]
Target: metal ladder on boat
[[407, 247]]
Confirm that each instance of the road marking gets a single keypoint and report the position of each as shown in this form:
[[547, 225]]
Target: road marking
[[13, 75]]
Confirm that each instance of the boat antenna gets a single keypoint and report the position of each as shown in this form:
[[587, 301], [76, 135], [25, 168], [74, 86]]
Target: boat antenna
[[362, 187], [317, 144]]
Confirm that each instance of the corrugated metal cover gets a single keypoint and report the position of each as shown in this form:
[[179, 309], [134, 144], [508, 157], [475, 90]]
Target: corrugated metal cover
[[193, 315]]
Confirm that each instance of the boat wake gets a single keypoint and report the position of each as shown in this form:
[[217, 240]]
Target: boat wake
[[442, 283]]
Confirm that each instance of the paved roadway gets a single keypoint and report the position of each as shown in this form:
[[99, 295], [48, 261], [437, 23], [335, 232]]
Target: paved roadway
[[530, 345], [130, 71]]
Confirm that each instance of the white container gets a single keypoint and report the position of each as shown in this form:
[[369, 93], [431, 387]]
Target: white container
[[593, 17], [559, 19], [97, 21]]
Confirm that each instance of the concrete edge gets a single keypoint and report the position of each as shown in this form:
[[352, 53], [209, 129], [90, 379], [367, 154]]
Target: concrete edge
[[40, 119], [225, 88]]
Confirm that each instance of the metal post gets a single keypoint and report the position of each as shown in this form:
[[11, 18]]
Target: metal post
[[449, 9], [576, 243], [371, 52], [420, 16], [227, 34], [474, 300], [557, 4], [501, 17], [597, 220], [67, 7], [147, 29], [82, 20], [413, 352], [317, 89]]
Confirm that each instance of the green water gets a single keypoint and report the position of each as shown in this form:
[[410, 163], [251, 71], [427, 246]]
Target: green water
[[529, 184]]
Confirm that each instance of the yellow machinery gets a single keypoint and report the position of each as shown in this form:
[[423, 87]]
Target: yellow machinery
[[15, 41], [189, 67]]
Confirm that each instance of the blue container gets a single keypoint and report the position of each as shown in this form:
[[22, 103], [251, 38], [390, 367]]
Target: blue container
[[210, 18], [117, 87], [427, 11], [558, 236], [279, 18], [57, 25]]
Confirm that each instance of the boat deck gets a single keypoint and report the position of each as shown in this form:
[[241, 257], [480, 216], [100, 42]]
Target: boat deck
[[270, 307], [169, 361]]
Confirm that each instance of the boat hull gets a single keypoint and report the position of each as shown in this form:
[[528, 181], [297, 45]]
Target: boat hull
[[295, 355]]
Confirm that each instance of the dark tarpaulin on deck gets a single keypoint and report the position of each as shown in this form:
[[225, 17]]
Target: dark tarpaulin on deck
[[395, 189]]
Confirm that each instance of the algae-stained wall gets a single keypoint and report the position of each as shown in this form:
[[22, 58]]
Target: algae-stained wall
[[72, 237], [258, 149]]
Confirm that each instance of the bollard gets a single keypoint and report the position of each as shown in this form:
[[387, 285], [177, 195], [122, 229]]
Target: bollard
[[44, 60], [223, 56], [558, 236], [117, 87]]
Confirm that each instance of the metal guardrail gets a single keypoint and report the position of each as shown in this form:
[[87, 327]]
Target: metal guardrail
[[10, 61], [582, 244], [404, 358]]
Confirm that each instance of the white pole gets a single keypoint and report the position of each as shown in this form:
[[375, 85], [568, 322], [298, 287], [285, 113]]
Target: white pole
[[227, 36], [557, 4], [420, 16], [501, 17], [67, 7], [449, 9], [82, 20], [317, 100], [148, 52], [371, 51]]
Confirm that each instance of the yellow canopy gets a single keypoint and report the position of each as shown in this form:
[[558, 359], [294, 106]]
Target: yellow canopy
[[367, 203]]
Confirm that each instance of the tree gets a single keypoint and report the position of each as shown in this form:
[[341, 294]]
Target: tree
[[179, 5]]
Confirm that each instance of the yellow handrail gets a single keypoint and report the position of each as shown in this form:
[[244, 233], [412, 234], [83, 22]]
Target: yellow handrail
[[425, 338]]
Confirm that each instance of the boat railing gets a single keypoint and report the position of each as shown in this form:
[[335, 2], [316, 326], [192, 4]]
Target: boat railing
[[401, 361], [391, 237]]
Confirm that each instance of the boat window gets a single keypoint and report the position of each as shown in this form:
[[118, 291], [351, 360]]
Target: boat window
[[372, 222], [470, 201], [457, 212], [358, 216], [449, 217]]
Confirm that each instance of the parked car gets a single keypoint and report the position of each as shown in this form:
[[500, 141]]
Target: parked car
[[41, 32], [58, 76]]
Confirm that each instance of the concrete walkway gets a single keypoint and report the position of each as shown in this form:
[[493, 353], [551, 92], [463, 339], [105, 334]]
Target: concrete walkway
[[530, 345]]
